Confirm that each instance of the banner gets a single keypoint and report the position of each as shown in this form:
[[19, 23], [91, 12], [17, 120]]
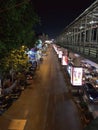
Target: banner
[[64, 60], [76, 76]]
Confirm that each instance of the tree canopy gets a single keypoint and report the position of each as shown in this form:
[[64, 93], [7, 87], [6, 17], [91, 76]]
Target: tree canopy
[[17, 22]]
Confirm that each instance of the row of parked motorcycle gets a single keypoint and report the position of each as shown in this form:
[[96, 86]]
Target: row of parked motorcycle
[[12, 93]]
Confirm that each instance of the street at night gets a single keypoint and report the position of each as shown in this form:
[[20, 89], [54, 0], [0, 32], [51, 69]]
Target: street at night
[[45, 104], [48, 65]]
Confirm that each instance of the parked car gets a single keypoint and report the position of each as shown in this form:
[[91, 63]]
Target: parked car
[[88, 76], [90, 92]]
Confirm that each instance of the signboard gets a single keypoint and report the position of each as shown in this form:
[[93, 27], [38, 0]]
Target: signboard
[[60, 53], [76, 76], [64, 60]]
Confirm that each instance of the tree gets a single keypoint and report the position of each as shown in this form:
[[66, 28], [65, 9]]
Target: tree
[[17, 21]]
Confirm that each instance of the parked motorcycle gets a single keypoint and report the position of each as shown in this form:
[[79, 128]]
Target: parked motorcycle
[[31, 70]]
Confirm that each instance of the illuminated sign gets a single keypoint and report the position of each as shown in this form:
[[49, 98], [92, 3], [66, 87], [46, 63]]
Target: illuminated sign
[[64, 60], [76, 76], [60, 53]]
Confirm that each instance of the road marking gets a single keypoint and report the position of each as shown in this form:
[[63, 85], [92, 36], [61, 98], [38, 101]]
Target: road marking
[[17, 124], [46, 111]]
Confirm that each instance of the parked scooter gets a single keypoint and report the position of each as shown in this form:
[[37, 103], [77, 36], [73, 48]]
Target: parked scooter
[[5, 103], [31, 70], [16, 92]]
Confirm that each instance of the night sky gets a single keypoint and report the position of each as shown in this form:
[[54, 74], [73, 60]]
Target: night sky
[[55, 15]]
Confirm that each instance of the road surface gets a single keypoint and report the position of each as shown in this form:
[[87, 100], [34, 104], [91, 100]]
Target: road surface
[[45, 104]]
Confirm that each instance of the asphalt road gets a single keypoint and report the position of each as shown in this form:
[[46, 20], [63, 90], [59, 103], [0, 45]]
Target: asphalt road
[[45, 104]]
